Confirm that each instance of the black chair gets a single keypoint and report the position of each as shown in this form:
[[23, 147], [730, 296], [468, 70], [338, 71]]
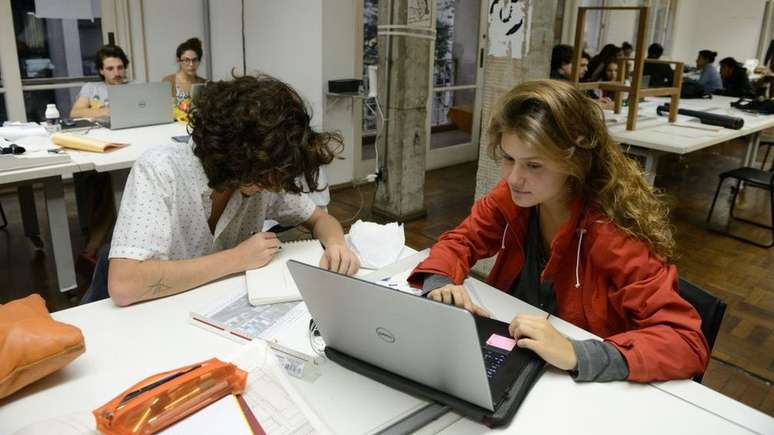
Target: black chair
[[768, 145], [2, 214], [752, 177], [710, 309], [98, 289]]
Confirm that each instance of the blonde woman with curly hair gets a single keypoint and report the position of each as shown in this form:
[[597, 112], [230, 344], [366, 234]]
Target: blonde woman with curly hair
[[579, 233]]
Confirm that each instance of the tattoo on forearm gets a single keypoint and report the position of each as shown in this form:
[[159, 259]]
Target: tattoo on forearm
[[158, 288]]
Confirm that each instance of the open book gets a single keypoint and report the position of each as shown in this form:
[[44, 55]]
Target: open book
[[84, 143], [272, 283]]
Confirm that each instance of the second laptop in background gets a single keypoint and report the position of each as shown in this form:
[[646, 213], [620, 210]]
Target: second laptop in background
[[139, 104]]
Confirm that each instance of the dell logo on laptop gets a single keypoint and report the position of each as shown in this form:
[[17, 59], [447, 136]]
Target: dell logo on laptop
[[141, 104], [385, 335]]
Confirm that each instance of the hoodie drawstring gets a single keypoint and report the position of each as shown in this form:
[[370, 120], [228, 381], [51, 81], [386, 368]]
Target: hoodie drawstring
[[581, 232]]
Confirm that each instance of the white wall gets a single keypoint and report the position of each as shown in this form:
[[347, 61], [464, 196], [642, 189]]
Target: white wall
[[225, 38], [157, 28], [298, 41], [730, 28], [284, 39], [621, 26], [165, 33], [338, 61]]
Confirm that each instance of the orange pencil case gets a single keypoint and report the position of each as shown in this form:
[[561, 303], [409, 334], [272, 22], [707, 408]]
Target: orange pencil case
[[162, 399]]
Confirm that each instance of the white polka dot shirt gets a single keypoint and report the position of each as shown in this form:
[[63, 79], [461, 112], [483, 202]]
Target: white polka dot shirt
[[166, 206]]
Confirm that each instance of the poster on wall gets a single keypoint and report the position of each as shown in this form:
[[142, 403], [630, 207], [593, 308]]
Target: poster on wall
[[418, 13], [509, 27]]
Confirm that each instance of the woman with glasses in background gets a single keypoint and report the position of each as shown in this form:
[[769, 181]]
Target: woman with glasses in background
[[189, 55]]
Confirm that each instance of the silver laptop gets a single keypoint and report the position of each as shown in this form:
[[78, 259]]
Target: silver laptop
[[433, 344], [139, 104], [196, 90]]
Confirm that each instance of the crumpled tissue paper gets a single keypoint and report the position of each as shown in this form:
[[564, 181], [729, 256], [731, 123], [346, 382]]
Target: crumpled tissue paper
[[377, 245]]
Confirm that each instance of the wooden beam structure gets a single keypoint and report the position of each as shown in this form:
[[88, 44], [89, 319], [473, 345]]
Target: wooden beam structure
[[635, 90]]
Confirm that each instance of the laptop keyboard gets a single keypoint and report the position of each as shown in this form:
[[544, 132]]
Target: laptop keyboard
[[493, 361]]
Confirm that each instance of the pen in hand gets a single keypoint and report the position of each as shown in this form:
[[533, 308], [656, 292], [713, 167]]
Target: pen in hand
[[279, 247]]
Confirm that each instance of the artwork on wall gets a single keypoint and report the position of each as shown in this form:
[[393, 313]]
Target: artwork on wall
[[509, 26], [418, 13]]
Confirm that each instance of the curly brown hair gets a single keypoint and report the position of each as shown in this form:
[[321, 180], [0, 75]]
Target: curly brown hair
[[254, 131], [567, 127]]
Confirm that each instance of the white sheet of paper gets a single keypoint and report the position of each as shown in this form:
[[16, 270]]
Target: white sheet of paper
[[223, 416]]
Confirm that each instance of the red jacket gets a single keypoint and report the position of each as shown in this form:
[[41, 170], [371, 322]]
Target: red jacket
[[605, 282]]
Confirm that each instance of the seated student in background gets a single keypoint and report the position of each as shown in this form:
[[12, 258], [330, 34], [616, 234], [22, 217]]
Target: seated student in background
[[709, 76], [661, 75], [92, 101], [597, 64], [604, 98], [584, 64], [735, 80], [611, 75], [579, 233], [189, 56], [93, 189], [627, 50], [193, 213], [561, 62], [561, 69]]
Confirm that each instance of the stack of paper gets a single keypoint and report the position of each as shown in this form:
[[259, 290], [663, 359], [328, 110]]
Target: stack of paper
[[84, 143], [10, 162], [15, 131], [273, 400]]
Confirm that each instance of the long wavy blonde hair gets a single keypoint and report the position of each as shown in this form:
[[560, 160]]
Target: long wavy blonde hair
[[564, 125]]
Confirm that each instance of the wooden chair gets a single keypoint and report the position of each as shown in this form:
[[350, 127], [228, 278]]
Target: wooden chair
[[619, 86]]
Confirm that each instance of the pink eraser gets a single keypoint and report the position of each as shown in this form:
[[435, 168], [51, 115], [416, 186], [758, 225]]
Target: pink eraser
[[500, 342]]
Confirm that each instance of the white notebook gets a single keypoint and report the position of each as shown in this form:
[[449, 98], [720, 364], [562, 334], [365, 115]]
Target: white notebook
[[272, 283]]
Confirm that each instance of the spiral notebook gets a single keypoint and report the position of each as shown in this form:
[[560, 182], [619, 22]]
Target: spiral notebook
[[272, 283]]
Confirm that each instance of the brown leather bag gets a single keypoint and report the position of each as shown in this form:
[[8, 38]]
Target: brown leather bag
[[32, 344]]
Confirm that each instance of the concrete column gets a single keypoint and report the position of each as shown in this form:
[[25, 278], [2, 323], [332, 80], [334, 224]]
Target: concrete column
[[403, 96], [501, 74]]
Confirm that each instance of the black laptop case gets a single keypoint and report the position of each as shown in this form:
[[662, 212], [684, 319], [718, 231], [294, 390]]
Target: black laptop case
[[530, 371]]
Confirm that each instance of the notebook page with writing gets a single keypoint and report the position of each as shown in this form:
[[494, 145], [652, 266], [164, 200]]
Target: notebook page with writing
[[273, 283]]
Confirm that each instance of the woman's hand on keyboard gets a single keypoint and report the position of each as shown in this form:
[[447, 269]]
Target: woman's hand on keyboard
[[457, 295], [537, 334]]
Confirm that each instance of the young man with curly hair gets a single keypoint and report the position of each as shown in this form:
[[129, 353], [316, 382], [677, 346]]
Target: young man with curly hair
[[194, 213]]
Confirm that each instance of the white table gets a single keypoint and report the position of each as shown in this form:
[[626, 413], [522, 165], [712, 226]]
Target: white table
[[124, 345], [120, 161], [51, 178], [116, 162], [655, 136]]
